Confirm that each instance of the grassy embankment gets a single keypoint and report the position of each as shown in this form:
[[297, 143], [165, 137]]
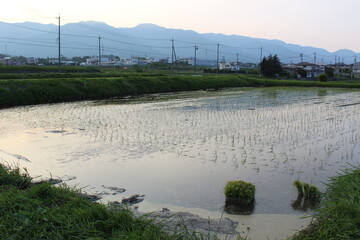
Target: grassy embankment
[[26, 87], [339, 215], [42, 211]]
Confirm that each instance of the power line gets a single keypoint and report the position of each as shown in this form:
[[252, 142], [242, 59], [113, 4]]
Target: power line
[[133, 44], [30, 44], [28, 28]]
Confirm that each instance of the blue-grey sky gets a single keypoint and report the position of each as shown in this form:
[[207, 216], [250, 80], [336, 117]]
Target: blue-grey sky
[[329, 24]]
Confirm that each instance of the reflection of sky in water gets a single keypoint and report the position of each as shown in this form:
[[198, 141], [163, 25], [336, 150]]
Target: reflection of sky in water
[[183, 149]]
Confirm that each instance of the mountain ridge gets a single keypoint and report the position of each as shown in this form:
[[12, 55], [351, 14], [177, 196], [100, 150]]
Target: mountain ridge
[[151, 40]]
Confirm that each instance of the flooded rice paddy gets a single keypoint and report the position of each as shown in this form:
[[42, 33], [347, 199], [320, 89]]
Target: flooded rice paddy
[[181, 149]]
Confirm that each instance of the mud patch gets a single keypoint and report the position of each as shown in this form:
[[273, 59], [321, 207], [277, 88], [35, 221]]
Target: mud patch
[[176, 222]]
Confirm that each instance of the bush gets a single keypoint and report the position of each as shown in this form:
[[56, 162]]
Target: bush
[[323, 77], [240, 192]]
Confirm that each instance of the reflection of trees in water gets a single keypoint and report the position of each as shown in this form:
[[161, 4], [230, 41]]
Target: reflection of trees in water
[[269, 93], [322, 92]]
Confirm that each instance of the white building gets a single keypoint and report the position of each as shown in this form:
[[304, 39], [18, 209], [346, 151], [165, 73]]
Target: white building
[[312, 70], [229, 66]]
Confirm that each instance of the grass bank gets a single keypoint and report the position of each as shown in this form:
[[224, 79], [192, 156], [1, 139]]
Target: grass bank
[[42, 211], [45, 69], [78, 86], [339, 216]]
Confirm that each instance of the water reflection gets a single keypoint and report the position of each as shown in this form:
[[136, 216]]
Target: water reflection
[[182, 149], [304, 204], [238, 209], [322, 92]]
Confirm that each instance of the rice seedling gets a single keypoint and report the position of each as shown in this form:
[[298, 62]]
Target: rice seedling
[[306, 190], [338, 218], [299, 187], [240, 192]]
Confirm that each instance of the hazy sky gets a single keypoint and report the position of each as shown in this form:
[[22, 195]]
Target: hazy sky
[[329, 24]]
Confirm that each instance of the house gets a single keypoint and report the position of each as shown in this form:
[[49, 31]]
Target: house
[[356, 70], [9, 61], [229, 66], [342, 70], [129, 61], [293, 70], [201, 62], [312, 70], [248, 65], [32, 61], [92, 61]]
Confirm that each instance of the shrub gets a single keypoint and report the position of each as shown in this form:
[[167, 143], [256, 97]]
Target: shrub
[[240, 192], [323, 77]]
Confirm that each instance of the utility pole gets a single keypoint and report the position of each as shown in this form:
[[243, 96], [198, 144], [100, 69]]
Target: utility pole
[[59, 45], [355, 59], [237, 63], [217, 59], [173, 55], [261, 49], [206, 58], [195, 49], [172, 51], [314, 57], [99, 51], [301, 57], [335, 59]]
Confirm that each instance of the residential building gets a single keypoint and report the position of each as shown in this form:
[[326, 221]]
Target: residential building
[[92, 61], [356, 70], [201, 62], [341, 70], [233, 66], [293, 70], [9, 61], [32, 61], [312, 70]]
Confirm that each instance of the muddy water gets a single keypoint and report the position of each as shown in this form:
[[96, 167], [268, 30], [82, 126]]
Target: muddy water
[[181, 149]]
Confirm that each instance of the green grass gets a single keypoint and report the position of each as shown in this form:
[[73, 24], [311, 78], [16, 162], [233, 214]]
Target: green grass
[[339, 215], [42, 211], [45, 69], [28, 88], [15, 92]]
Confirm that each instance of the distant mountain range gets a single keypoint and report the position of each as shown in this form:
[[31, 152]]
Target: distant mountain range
[[148, 40]]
